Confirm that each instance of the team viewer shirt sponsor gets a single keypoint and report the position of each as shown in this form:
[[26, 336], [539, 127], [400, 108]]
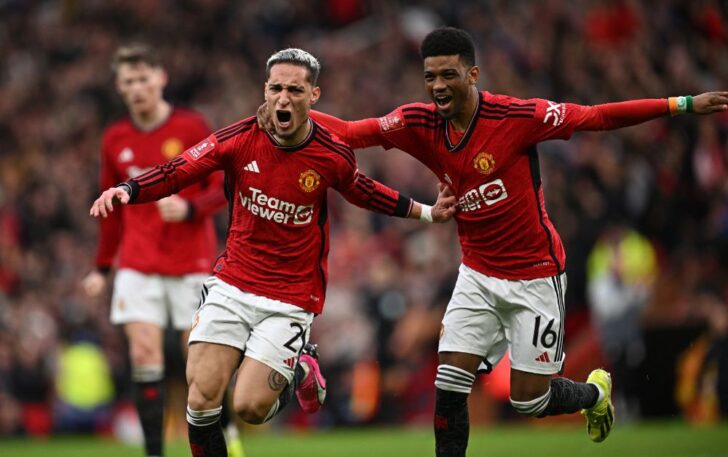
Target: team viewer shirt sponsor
[[137, 233], [492, 167], [277, 243]]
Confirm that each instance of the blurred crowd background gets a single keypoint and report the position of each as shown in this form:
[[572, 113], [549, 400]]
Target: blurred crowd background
[[643, 212]]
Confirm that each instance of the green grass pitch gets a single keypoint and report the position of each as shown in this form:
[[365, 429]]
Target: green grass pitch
[[643, 440]]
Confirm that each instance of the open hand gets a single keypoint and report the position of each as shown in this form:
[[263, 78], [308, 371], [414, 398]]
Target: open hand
[[105, 203], [710, 102]]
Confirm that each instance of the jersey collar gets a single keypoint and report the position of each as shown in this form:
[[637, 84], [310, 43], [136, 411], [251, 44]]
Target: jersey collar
[[297, 147], [468, 131]]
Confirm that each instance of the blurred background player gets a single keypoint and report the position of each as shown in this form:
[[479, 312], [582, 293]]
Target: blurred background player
[[164, 260], [271, 280], [510, 292]]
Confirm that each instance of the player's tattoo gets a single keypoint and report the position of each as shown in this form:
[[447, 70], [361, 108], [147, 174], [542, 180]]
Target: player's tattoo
[[276, 381]]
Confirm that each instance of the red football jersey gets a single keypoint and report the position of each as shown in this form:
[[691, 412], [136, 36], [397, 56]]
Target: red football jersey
[[137, 233], [278, 239], [493, 170]]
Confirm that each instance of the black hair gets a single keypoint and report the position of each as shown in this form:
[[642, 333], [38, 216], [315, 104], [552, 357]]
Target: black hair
[[449, 41]]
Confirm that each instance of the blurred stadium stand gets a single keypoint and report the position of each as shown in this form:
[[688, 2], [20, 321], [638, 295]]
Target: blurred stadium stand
[[390, 279]]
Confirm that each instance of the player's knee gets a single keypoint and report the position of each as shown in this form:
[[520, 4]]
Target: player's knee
[[250, 410], [528, 386], [203, 395], [533, 407], [454, 379], [144, 353]]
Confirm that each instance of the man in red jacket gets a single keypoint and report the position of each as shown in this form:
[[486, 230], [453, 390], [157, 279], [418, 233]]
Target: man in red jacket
[[156, 281]]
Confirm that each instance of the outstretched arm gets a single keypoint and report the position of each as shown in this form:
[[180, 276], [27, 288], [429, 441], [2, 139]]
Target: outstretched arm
[[623, 114], [162, 180], [552, 120], [374, 196], [357, 134]]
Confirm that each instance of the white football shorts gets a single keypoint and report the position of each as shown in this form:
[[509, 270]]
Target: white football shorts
[[487, 316], [141, 297], [267, 330]]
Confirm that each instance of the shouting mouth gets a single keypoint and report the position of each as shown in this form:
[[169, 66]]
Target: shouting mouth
[[443, 102], [284, 118]]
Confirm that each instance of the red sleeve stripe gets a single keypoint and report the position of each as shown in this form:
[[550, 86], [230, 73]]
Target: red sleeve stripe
[[232, 133], [366, 185], [485, 114], [337, 148], [417, 109], [507, 110], [418, 119], [384, 200], [425, 124], [499, 111], [231, 127], [158, 170], [158, 173], [385, 208], [327, 140], [512, 105]]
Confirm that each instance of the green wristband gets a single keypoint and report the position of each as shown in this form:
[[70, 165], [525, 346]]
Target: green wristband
[[689, 103]]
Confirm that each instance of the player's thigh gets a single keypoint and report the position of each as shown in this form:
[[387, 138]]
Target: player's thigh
[[471, 324], [138, 297], [535, 324], [224, 317], [278, 338], [184, 297], [209, 369], [145, 343]]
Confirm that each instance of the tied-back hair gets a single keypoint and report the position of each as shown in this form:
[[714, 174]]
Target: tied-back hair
[[449, 41], [296, 56], [135, 53]]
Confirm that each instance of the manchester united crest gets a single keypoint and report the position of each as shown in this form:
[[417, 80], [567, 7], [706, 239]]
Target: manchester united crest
[[309, 180], [484, 163], [172, 147]]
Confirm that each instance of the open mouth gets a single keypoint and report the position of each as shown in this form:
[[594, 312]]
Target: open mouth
[[284, 118], [443, 101]]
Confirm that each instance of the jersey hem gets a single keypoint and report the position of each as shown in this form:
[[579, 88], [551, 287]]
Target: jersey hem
[[251, 289], [515, 274]]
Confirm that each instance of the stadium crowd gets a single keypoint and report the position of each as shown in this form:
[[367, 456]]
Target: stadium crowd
[[645, 206]]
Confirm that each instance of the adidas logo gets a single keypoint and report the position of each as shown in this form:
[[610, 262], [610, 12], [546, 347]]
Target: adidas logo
[[291, 361], [126, 155], [252, 166], [543, 357]]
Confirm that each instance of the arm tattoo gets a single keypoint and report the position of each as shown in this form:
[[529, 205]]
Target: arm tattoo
[[276, 381]]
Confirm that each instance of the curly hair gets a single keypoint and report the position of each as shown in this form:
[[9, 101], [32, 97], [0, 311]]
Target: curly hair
[[449, 41]]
